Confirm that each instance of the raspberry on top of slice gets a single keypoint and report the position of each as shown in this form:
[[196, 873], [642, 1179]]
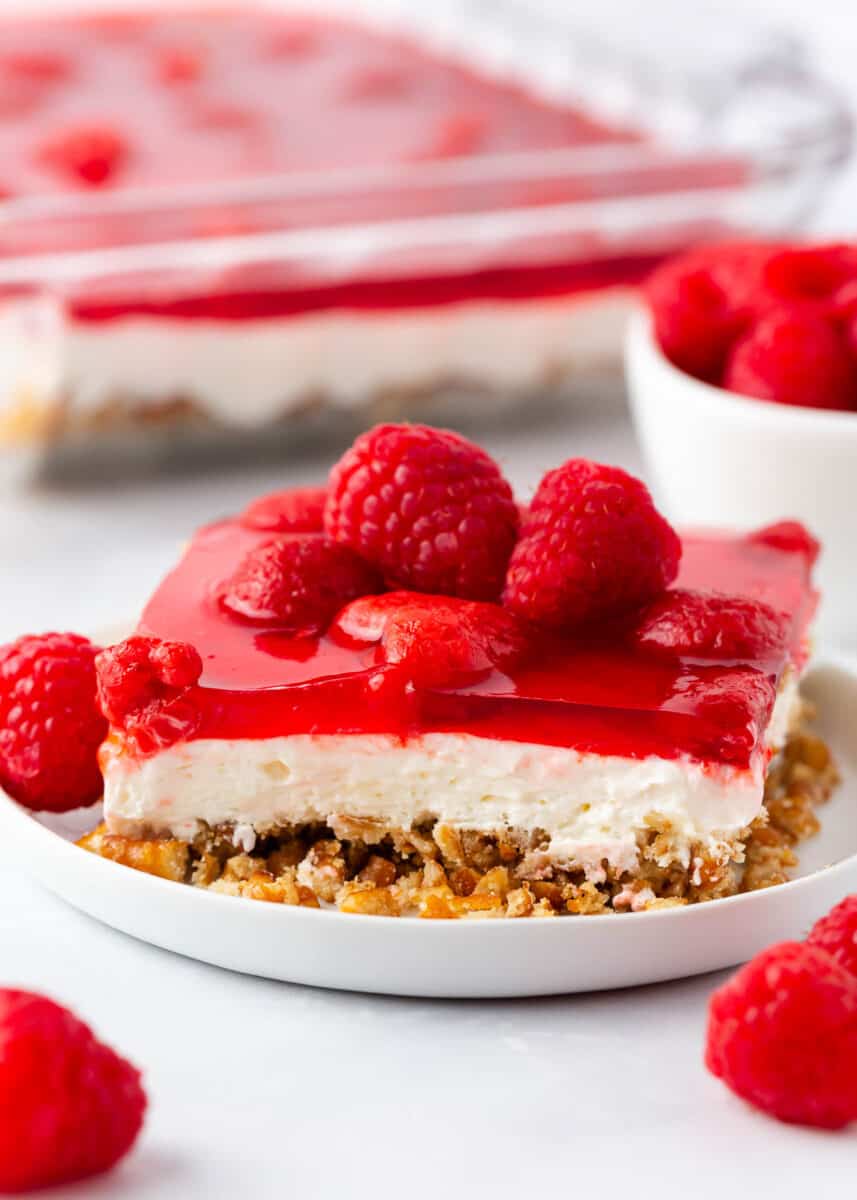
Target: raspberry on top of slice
[[145, 688], [425, 506], [437, 640], [790, 536], [296, 583], [294, 510], [735, 702], [693, 624], [593, 547], [424, 511]]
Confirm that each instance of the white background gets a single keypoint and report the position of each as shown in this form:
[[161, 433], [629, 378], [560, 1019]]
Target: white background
[[266, 1090]]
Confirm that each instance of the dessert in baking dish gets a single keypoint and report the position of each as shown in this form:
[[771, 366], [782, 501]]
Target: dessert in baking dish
[[401, 696], [214, 154]]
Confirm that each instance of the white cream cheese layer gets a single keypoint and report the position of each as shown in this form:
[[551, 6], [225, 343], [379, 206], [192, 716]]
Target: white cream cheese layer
[[590, 806], [247, 373]]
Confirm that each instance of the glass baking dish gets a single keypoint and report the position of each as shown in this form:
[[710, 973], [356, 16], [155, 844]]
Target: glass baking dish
[[201, 313]]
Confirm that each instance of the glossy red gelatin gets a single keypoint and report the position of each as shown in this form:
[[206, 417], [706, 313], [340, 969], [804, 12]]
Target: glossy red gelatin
[[204, 96], [595, 697], [151, 101]]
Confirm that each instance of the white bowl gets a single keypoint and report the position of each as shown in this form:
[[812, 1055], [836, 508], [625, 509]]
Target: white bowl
[[720, 459]]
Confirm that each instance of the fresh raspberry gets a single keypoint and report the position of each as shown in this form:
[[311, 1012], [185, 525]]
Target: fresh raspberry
[[177, 65], [297, 583], [709, 625], [793, 358], [366, 619], [295, 41], [844, 304], [439, 640], [837, 934], [378, 81], [809, 277], [789, 536], [702, 301], [144, 688], [37, 66], [457, 134], [428, 508], [694, 320], [782, 1034], [296, 510], [845, 314], [50, 726], [736, 703], [592, 548], [850, 334], [434, 649], [70, 1107], [91, 154]]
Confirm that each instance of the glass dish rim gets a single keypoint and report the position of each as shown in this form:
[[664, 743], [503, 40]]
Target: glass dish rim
[[820, 143]]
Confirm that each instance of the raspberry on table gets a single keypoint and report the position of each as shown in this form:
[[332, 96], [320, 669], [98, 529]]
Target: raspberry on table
[[90, 154], [792, 536], [144, 689], [50, 726], [695, 624], [295, 510], [428, 508], [593, 547], [793, 358], [70, 1107], [297, 583], [782, 1034], [440, 640], [837, 934]]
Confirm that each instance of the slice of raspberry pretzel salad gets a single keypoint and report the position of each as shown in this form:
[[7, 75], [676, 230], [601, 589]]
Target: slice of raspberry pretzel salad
[[408, 694]]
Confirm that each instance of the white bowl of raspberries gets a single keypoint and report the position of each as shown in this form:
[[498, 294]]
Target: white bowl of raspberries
[[742, 374]]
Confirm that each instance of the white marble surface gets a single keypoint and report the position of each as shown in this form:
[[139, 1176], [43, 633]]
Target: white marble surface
[[266, 1090]]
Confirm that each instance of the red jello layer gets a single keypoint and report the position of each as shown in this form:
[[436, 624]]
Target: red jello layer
[[204, 96], [595, 697], [146, 103], [244, 295]]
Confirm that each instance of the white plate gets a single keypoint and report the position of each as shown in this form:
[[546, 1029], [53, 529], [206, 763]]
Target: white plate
[[489, 958]]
